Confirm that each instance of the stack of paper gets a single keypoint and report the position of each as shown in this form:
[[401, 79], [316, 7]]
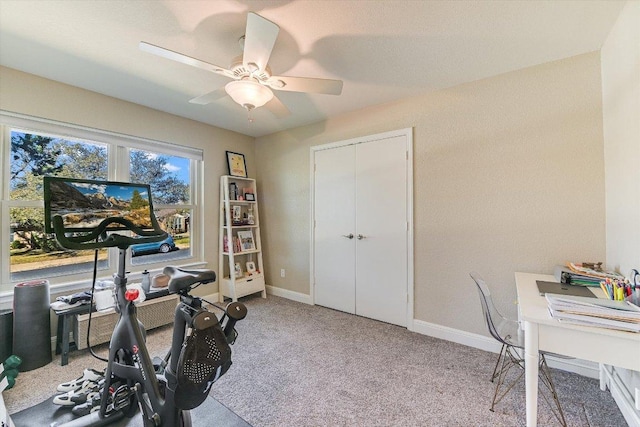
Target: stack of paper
[[576, 274], [602, 313]]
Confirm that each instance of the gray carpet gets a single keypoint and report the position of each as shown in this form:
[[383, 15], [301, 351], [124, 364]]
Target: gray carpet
[[301, 365]]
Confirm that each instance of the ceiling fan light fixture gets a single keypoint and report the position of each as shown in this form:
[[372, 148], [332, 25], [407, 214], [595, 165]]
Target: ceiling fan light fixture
[[248, 94]]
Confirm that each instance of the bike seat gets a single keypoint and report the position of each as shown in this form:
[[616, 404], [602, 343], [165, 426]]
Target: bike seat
[[180, 279]]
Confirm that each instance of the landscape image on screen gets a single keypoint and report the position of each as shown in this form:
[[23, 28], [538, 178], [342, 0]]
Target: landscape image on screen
[[84, 205]]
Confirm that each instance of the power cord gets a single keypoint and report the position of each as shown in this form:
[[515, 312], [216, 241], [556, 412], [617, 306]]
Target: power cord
[[93, 290]]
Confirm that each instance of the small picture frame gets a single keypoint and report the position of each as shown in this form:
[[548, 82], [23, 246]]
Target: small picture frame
[[237, 271], [250, 197], [236, 164], [246, 240], [251, 267], [237, 213]]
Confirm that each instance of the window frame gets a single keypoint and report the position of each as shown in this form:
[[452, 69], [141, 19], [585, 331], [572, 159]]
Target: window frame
[[118, 147]]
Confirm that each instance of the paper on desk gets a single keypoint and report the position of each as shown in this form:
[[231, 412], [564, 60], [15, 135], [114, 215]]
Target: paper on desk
[[596, 304], [618, 326], [595, 312]]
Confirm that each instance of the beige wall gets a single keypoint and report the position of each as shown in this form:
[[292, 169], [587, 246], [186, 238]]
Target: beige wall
[[621, 123], [35, 96], [508, 176], [621, 112]]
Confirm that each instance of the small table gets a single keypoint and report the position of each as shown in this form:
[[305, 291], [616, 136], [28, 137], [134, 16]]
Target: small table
[[542, 332], [67, 316]]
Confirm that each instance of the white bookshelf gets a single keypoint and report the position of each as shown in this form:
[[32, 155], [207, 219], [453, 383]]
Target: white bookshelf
[[239, 239]]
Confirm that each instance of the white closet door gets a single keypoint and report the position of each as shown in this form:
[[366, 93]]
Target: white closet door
[[381, 220], [334, 254]]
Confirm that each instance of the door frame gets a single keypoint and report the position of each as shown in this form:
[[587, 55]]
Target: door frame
[[408, 134]]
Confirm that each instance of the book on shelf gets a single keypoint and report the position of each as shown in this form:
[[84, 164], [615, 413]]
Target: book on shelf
[[236, 244], [596, 312]]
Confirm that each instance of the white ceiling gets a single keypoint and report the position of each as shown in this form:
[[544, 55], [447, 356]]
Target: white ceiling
[[382, 50]]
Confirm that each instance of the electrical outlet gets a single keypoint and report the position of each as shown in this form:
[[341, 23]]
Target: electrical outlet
[[282, 272]]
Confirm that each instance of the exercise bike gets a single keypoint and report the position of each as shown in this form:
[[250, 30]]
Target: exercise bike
[[200, 350]]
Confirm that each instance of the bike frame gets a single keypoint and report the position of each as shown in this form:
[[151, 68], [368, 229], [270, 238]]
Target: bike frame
[[129, 362]]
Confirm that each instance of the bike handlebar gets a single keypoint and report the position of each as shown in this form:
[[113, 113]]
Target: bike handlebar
[[88, 241], [235, 311]]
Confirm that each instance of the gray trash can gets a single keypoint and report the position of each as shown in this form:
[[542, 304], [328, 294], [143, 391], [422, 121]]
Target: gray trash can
[[31, 324]]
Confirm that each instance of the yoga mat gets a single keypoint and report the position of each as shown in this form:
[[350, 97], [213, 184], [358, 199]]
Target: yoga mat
[[210, 413]]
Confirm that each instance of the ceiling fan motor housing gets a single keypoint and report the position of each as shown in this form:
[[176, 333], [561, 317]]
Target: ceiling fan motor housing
[[240, 71]]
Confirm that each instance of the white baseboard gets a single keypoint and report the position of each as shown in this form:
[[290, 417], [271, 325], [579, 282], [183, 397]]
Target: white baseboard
[[211, 297], [577, 366], [292, 295], [580, 367], [455, 335]]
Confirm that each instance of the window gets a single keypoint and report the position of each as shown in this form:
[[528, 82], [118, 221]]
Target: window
[[32, 149], [170, 180], [34, 254]]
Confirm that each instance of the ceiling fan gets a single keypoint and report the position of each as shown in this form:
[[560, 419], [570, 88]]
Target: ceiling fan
[[252, 79]]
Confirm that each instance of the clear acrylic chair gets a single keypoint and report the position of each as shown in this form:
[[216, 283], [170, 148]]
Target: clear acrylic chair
[[511, 336]]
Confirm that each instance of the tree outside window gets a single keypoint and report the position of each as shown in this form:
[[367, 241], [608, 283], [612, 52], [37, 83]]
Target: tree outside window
[[170, 179], [33, 154], [34, 253]]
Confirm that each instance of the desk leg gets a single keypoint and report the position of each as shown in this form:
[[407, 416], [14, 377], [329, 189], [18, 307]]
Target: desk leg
[[603, 378], [531, 371]]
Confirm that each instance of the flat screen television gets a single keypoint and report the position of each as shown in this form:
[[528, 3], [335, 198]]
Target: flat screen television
[[83, 204]]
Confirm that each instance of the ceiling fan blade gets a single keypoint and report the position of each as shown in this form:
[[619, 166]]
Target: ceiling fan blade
[[208, 98], [259, 38], [184, 59], [306, 84], [277, 108]]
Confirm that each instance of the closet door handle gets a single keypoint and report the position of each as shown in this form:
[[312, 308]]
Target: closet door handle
[[360, 237], [348, 236]]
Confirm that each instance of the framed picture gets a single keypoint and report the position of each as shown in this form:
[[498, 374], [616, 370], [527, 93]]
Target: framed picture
[[237, 213], [246, 240], [236, 164], [250, 197], [237, 270], [251, 267]]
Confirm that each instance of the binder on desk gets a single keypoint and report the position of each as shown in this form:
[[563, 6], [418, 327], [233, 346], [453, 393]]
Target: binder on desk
[[575, 274]]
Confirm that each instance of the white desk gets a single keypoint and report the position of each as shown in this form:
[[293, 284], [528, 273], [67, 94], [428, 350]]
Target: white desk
[[542, 332]]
